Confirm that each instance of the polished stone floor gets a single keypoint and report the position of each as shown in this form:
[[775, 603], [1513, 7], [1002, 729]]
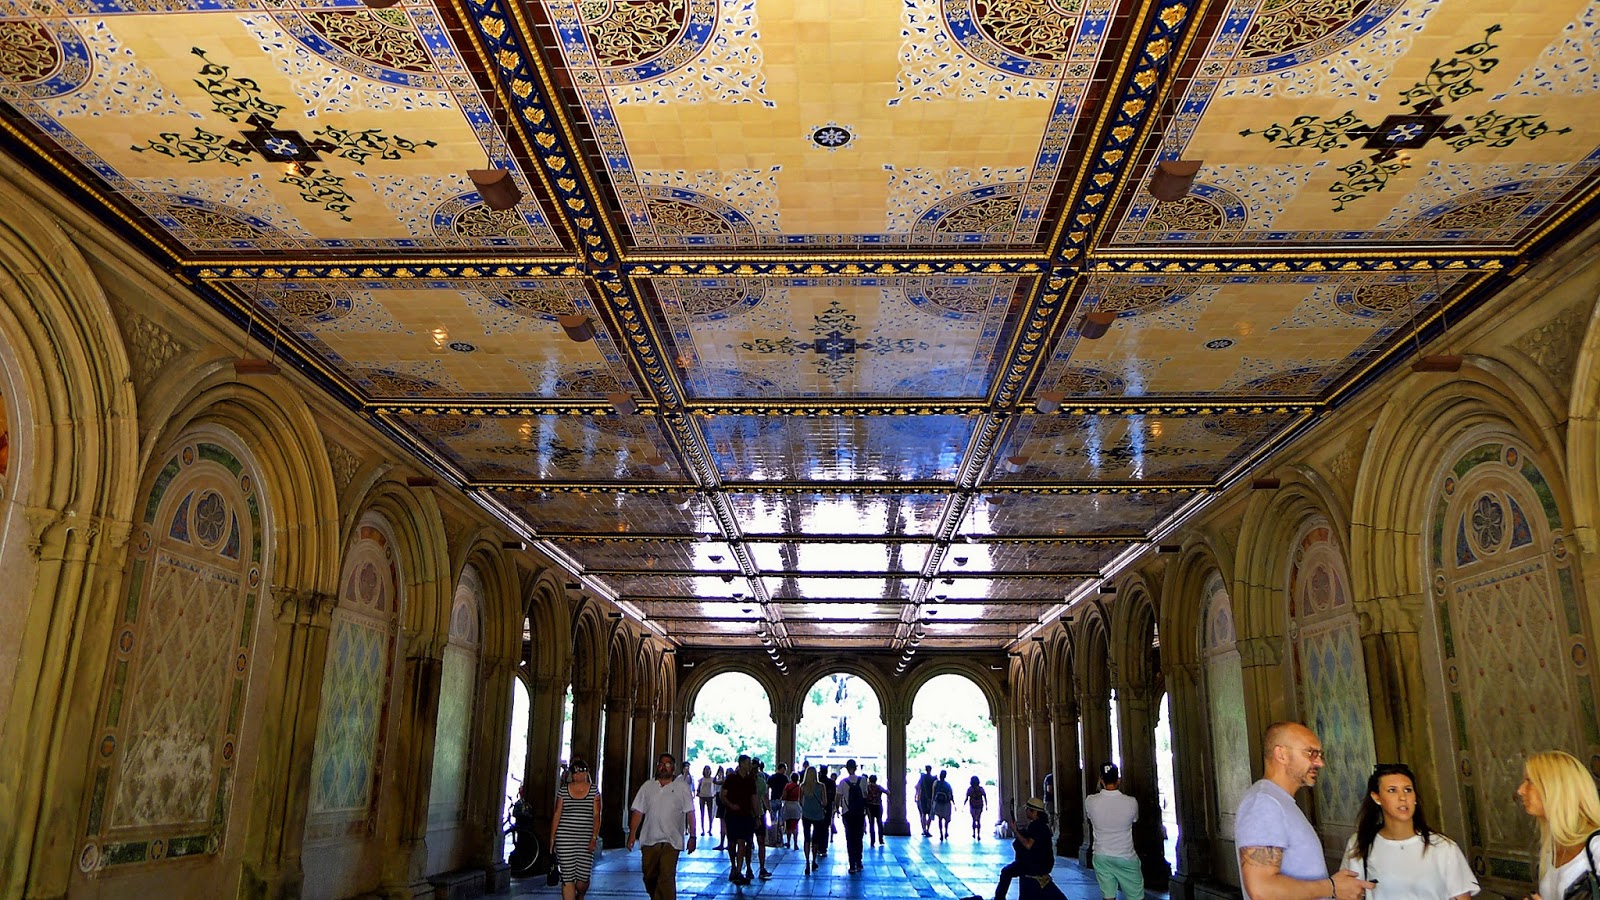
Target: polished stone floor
[[913, 867]]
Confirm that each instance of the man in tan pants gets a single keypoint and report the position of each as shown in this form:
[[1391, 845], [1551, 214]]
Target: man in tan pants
[[666, 809]]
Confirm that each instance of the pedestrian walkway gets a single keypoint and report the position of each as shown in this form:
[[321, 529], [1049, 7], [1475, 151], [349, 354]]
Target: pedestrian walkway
[[912, 867]]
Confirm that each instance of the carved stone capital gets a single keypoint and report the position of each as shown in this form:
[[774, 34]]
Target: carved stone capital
[[1261, 651], [1391, 615], [1065, 712], [303, 608], [619, 706]]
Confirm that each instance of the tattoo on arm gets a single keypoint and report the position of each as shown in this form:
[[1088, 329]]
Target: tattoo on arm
[[1266, 857]]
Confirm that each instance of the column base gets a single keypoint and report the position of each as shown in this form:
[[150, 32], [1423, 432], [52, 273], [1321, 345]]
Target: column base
[[497, 878], [897, 828]]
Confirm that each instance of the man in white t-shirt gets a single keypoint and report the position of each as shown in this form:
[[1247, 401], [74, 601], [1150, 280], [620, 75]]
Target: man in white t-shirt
[[1280, 855], [1111, 814], [666, 809]]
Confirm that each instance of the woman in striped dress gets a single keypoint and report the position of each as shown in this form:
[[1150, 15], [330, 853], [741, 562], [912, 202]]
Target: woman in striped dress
[[575, 830]]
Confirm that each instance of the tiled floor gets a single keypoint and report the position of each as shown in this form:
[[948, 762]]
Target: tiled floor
[[912, 867]]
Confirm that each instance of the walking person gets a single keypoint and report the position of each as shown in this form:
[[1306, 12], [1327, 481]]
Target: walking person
[[665, 810], [575, 830], [722, 823], [944, 801], [763, 807], [925, 783], [791, 812], [1111, 815], [1280, 854], [853, 810], [875, 794], [1394, 848], [1559, 793], [706, 792], [739, 817], [830, 782], [813, 816], [977, 801]]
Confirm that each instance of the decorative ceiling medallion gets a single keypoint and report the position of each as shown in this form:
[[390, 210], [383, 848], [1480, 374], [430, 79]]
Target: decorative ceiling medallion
[[1219, 344], [831, 136]]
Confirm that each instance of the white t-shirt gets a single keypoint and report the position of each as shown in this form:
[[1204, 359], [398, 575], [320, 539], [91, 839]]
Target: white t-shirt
[[1112, 813], [1556, 881], [666, 808], [1404, 872]]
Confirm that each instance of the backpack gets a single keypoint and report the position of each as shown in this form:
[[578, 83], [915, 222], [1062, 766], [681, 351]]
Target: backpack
[[855, 803]]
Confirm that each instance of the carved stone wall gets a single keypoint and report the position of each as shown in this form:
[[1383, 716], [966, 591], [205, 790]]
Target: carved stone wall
[[1511, 636], [1328, 669], [452, 745], [1230, 741]]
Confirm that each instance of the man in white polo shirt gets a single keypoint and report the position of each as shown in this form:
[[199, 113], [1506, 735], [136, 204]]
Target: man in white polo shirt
[[1280, 855], [1111, 814], [667, 810]]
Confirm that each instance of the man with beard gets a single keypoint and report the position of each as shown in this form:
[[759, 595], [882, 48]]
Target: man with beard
[[666, 809]]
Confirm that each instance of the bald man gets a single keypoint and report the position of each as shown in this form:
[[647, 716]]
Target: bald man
[[1280, 855]]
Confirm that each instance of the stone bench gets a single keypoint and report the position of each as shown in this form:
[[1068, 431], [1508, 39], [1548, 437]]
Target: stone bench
[[461, 884]]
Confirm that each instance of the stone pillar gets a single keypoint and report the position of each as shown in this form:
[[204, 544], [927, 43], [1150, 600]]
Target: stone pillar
[[586, 710], [680, 736], [1265, 697], [491, 743], [412, 762], [1390, 645], [1041, 751], [616, 792], [894, 722], [547, 698], [1069, 778], [1190, 742], [282, 790], [1136, 707], [663, 736], [786, 717], [642, 762], [1011, 785]]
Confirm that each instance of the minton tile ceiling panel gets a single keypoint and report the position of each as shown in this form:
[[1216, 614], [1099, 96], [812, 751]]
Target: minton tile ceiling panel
[[228, 128], [833, 556], [837, 337], [804, 588], [1088, 514], [551, 448], [466, 338], [886, 515], [731, 123], [1106, 447], [1419, 121], [648, 556], [601, 512], [1029, 557], [1279, 336], [1038, 590], [838, 448]]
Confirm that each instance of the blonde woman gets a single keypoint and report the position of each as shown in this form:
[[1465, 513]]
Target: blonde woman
[[813, 816], [1559, 792]]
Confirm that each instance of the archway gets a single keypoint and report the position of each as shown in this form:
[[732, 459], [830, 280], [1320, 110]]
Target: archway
[[566, 729], [952, 729], [732, 715], [841, 719], [516, 760], [1167, 781]]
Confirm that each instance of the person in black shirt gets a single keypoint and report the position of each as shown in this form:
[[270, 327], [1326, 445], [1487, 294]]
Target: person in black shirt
[[831, 780], [1036, 856]]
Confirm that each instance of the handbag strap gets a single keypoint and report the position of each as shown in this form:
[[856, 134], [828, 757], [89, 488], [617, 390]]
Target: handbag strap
[[1589, 853]]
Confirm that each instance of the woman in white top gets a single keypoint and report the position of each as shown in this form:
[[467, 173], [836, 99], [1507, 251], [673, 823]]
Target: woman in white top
[[1394, 847], [1558, 791], [706, 792]]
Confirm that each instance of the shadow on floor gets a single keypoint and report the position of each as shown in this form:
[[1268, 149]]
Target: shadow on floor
[[906, 867]]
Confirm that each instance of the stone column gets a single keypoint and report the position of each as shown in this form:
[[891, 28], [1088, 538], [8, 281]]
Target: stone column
[[1011, 786], [281, 793], [547, 699], [786, 716], [1042, 753], [1136, 707], [1069, 778], [616, 792], [1191, 743], [586, 710], [894, 721], [1390, 645], [642, 762], [663, 736], [412, 762], [1265, 689], [491, 743]]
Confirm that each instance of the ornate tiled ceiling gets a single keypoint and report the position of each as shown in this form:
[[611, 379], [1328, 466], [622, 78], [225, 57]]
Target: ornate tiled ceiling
[[837, 256]]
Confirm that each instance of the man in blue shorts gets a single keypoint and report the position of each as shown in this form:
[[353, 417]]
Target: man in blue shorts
[[1280, 855]]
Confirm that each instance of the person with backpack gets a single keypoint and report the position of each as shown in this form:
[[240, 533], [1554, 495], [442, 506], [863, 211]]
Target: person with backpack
[[944, 800], [853, 809]]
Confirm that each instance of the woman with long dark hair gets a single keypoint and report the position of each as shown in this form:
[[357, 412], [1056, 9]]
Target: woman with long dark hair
[[1560, 794], [1394, 847]]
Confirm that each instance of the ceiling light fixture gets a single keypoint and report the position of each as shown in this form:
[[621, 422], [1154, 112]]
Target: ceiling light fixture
[[1048, 401], [1265, 484], [579, 328], [421, 481], [252, 366], [1013, 464], [1173, 178], [622, 404], [513, 545], [1169, 548], [1095, 325], [496, 186]]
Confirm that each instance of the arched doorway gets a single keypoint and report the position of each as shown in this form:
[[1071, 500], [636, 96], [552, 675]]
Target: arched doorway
[[732, 716], [952, 729], [841, 719], [516, 760], [1166, 781]]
